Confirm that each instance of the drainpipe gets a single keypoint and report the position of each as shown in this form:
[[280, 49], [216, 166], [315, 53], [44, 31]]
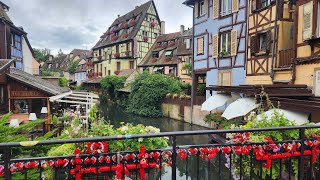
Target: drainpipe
[[274, 41], [192, 65]]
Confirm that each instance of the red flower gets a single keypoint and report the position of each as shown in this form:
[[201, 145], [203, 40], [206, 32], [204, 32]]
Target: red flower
[[193, 151], [77, 151], [226, 150]]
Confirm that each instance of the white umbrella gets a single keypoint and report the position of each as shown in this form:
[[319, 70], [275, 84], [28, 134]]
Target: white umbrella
[[240, 107], [298, 117], [214, 102]]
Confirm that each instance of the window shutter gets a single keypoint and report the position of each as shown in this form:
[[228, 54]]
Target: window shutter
[[215, 8], [258, 4], [253, 45], [226, 79], [215, 45], [235, 6], [196, 8], [307, 21], [200, 45], [205, 7], [268, 41], [234, 44]]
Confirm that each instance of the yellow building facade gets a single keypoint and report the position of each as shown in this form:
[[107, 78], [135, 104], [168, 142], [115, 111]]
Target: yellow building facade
[[270, 47], [127, 41]]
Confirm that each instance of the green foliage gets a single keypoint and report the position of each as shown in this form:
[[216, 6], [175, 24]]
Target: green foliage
[[47, 73], [201, 90], [62, 150], [100, 128], [55, 120], [41, 55], [63, 82], [221, 122], [148, 91], [188, 68], [73, 67], [110, 85], [93, 113]]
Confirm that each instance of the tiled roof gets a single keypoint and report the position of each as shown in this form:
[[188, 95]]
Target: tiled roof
[[82, 53], [93, 80], [36, 82], [178, 48], [132, 19], [126, 72]]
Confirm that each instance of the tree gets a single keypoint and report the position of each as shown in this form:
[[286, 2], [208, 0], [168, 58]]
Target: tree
[[60, 53], [41, 55], [63, 82], [148, 92], [110, 85], [73, 67]]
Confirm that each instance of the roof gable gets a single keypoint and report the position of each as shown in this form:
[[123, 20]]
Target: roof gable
[[126, 26]]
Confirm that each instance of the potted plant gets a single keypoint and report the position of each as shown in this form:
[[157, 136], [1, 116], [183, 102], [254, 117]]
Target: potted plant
[[224, 53], [116, 55], [127, 53], [152, 24], [125, 35]]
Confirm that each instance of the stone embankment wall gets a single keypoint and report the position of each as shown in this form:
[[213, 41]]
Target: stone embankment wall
[[180, 109]]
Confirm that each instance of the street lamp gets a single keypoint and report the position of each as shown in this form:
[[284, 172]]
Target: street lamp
[[32, 117]]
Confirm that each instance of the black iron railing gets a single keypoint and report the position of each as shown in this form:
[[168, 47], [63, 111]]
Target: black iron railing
[[245, 160]]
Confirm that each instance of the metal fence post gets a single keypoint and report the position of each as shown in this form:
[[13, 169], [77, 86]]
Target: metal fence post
[[174, 158], [301, 159], [6, 159]]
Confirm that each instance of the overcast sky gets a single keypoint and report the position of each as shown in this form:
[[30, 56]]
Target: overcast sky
[[69, 24]]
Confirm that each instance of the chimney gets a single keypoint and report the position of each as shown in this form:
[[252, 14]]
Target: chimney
[[136, 7], [181, 29], [163, 27], [118, 15]]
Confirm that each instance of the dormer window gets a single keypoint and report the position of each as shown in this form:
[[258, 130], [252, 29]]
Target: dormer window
[[169, 53], [155, 54]]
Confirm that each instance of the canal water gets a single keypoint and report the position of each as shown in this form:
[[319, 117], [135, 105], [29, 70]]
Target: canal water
[[187, 168]]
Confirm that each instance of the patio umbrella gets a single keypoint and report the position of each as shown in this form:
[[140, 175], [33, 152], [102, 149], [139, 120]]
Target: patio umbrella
[[298, 117], [214, 102], [240, 107]]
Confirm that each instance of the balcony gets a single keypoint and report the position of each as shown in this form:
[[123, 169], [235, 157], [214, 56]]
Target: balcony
[[285, 58], [262, 159]]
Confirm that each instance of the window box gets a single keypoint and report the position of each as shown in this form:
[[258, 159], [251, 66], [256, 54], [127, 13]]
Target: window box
[[125, 25], [145, 39], [224, 54], [127, 53], [116, 55], [114, 38], [133, 23], [125, 35], [152, 24], [116, 72]]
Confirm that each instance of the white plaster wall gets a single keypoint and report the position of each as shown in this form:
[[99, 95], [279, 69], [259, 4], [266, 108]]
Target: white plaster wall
[[28, 59]]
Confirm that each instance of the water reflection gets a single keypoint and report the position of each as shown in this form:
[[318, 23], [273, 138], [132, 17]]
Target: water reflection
[[191, 168]]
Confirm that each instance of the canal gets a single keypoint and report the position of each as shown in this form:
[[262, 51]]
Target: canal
[[190, 168]]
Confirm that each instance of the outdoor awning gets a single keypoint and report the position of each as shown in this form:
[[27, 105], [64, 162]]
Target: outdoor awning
[[240, 107], [299, 118], [214, 102]]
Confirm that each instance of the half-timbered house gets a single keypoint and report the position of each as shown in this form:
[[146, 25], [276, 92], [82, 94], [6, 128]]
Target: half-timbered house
[[220, 30], [270, 51], [127, 40]]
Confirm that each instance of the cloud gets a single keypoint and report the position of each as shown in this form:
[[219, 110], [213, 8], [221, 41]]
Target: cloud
[[69, 24]]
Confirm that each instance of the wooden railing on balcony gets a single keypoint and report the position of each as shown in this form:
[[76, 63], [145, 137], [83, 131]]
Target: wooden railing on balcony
[[285, 58]]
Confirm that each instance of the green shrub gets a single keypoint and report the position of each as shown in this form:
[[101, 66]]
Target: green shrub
[[201, 90], [148, 92], [110, 85], [63, 82]]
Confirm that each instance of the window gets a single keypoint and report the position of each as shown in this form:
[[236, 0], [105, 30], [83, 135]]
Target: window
[[200, 44], [20, 106], [109, 72], [155, 54], [307, 20], [117, 48], [260, 43], [225, 43], [259, 4], [169, 53], [226, 7], [264, 3], [155, 35], [144, 33], [201, 8], [263, 42], [131, 64], [118, 66], [105, 71], [187, 42]]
